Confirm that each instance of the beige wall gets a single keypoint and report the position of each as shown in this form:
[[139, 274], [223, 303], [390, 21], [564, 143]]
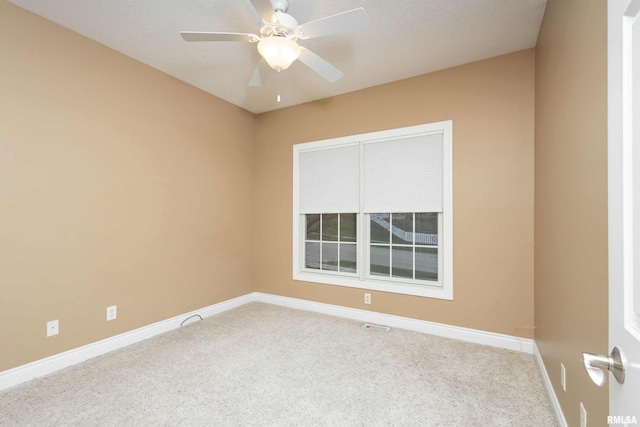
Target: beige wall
[[571, 199], [119, 186], [491, 104]]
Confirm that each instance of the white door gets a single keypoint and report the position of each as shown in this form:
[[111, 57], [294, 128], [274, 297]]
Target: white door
[[624, 205]]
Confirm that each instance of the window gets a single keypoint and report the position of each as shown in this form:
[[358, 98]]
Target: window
[[330, 242], [374, 211], [404, 246]]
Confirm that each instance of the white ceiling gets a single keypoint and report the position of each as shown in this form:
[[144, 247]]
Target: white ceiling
[[404, 38]]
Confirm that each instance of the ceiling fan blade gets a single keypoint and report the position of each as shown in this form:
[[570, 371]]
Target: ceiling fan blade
[[350, 20], [265, 10], [258, 76], [195, 36], [319, 65]]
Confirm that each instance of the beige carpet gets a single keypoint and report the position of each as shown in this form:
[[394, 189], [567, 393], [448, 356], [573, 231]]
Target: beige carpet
[[264, 365]]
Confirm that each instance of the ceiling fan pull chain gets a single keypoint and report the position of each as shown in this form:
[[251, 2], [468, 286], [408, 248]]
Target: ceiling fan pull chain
[[278, 78]]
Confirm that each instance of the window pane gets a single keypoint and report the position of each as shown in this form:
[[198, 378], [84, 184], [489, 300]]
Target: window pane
[[379, 256], [313, 227], [348, 227], [348, 257], [427, 229], [330, 256], [330, 227], [402, 228], [427, 263], [402, 262], [312, 255], [380, 226]]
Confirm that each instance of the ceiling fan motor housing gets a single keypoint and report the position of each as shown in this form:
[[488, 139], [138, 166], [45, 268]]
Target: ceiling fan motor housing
[[286, 23], [285, 26], [280, 5]]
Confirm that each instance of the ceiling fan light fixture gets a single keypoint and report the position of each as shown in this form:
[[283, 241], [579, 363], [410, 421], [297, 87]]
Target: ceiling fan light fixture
[[279, 51]]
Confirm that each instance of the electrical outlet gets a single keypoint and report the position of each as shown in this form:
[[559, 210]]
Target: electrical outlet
[[563, 377], [52, 328], [367, 298], [583, 416], [112, 312]]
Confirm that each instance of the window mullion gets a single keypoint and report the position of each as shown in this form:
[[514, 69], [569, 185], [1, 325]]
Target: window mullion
[[365, 240], [413, 247], [440, 252], [339, 232], [320, 238], [363, 236], [391, 245]]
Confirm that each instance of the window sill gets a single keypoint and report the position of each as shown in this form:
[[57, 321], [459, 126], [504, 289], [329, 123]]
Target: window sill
[[438, 292]]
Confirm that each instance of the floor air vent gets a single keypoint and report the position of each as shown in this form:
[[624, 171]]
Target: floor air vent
[[373, 327]]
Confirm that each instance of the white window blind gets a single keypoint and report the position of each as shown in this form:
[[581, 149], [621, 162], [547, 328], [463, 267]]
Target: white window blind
[[329, 180], [404, 175]]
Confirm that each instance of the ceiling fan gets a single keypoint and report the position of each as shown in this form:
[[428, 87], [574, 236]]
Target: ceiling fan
[[279, 36]]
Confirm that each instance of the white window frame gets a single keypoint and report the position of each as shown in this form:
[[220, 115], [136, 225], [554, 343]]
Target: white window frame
[[443, 289]]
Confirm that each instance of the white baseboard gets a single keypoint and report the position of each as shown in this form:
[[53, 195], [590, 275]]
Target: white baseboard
[[39, 368], [456, 332], [557, 409]]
